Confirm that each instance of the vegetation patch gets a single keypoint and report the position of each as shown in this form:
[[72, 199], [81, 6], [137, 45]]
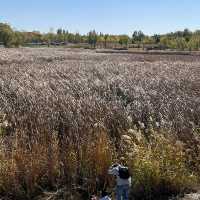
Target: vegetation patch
[[64, 121]]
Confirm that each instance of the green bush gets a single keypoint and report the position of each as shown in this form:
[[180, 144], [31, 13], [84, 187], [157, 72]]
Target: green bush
[[160, 169], [9, 37]]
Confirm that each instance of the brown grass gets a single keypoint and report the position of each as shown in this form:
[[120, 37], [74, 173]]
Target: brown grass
[[65, 113]]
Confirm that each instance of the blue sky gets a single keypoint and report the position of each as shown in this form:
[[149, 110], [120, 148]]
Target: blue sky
[[108, 16]]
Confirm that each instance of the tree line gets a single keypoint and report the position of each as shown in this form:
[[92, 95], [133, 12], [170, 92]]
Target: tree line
[[182, 40]]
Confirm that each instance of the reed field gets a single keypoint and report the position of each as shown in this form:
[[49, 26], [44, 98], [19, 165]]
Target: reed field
[[67, 114]]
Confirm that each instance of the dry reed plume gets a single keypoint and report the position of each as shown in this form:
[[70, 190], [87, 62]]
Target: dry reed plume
[[63, 114]]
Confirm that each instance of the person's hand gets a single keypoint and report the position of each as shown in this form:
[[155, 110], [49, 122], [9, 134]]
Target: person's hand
[[94, 198], [114, 165]]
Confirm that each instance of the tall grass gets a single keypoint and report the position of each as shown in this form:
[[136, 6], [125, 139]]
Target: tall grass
[[161, 169], [26, 172], [65, 114]]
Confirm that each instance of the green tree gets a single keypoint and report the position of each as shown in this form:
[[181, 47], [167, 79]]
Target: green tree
[[105, 40], [187, 34], [147, 40], [18, 39], [137, 37], [156, 38], [165, 41], [123, 40], [59, 31], [6, 35], [77, 38], [61, 35], [65, 32], [194, 43], [71, 37], [180, 43], [92, 38], [48, 38]]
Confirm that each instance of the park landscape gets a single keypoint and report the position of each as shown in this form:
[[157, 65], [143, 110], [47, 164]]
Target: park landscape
[[68, 113]]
